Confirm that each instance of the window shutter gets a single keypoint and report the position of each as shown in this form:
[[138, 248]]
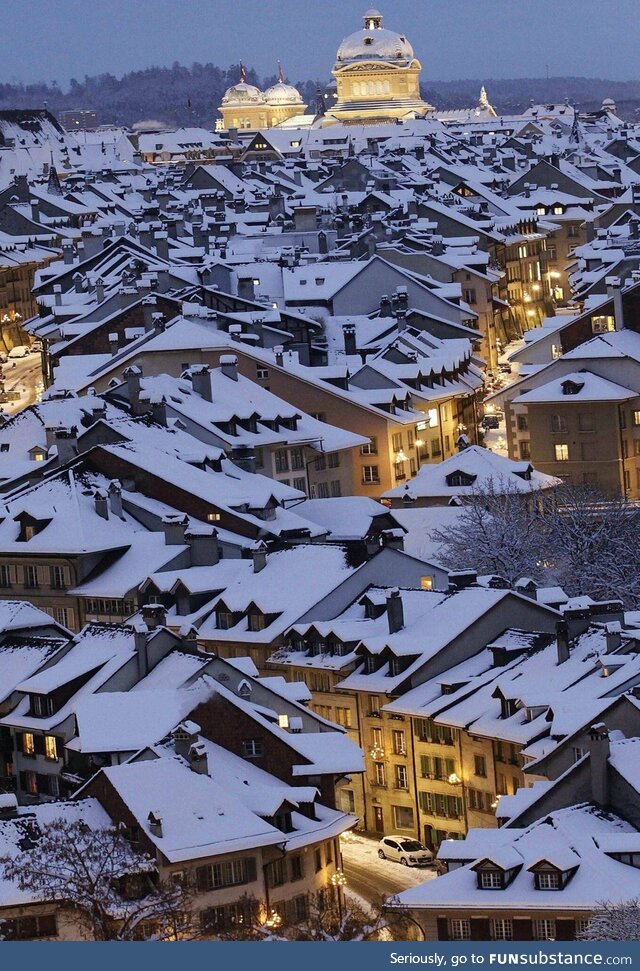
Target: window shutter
[[251, 869], [522, 929], [43, 576], [14, 574], [443, 929], [480, 930], [565, 930], [203, 878], [23, 782], [38, 742]]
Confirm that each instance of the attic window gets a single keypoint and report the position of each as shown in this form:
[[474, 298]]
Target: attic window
[[213, 517], [426, 583], [491, 880], [460, 479], [572, 387], [548, 880], [319, 281]]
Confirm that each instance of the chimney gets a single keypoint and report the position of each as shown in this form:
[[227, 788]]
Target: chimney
[[385, 306], [201, 381], [198, 758], [395, 611], [614, 292], [229, 366], [101, 503], [613, 636], [115, 498], [349, 334], [155, 824], [67, 253], [148, 309], [67, 444], [57, 295], [142, 652], [203, 546], [99, 289], [113, 344], [174, 528], [132, 376], [184, 736], [158, 321], [562, 641], [244, 457], [393, 539], [154, 616], [599, 749], [279, 353], [246, 288], [159, 410], [162, 246], [259, 554], [78, 280]]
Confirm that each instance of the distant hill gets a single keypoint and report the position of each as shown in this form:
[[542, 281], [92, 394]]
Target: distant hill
[[190, 95]]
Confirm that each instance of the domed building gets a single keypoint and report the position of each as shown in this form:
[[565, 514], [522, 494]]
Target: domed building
[[377, 76], [246, 106]]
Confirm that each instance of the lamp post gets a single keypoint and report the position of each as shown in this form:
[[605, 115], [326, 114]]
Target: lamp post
[[339, 881]]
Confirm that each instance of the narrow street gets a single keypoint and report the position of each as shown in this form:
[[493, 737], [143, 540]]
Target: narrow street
[[374, 879], [25, 376]]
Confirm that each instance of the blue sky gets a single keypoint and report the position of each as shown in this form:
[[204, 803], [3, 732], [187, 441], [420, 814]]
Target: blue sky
[[60, 39]]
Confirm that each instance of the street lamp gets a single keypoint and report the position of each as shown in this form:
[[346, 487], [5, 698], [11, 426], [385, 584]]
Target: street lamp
[[339, 880]]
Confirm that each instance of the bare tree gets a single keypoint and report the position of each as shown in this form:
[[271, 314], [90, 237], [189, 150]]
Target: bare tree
[[614, 922], [112, 887]]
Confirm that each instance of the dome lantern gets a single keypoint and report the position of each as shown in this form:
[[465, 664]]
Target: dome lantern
[[372, 19]]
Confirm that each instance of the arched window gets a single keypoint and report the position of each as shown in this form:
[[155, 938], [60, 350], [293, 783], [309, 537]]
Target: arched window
[[356, 87]]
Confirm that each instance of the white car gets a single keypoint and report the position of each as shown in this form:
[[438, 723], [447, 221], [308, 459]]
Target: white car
[[404, 850], [20, 350]]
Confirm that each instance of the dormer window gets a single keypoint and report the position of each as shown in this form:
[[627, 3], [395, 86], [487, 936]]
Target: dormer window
[[225, 619], [549, 880], [572, 387], [370, 664], [459, 478], [491, 880], [41, 706]]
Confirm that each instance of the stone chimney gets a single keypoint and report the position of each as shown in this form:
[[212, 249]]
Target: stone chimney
[[148, 310], [133, 375], [113, 344], [78, 280], [115, 498], [154, 616], [198, 758], [395, 611], [184, 736], [614, 292], [99, 289], [563, 646], [67, 253], [599, 748], [175, 528], [613, 636], [259, 554], [67, 444], [101, 503], [159, 410], [349, 334], [155, 824], [203, 546], [229, 366], [57, 295], [142, 652], [246, 288], [161, 241], [201, 381]]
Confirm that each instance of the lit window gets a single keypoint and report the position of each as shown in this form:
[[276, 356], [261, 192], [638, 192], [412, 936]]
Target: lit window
[[426, 583], [213, 517], [28, 744], [283, 721], [51, 747], [561, 453]]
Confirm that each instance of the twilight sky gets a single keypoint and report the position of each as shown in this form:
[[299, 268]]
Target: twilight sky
[[453, 38]]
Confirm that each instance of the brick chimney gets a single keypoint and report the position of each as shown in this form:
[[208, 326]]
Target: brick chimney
[[201, 381], [395, 611]]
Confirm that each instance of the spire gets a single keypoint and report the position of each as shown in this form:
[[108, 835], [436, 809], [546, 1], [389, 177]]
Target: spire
[[53, 184], [483, 100], [280, 74], [243, 73]]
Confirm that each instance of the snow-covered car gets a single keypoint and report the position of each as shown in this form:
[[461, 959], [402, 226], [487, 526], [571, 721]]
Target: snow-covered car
[[20, 350], [491, 421], [404, 850]]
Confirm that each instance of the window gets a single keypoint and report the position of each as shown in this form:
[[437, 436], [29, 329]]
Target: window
[[58, 578], [558, 423], [295, 864], [523, 423], [281, 458], [374, 705], [402, 779], [371, 448], [579, 752], [29, 928], [333, 460], [276, 874], [525, 451], [502, 929], [224, 619], [480, 765], [228, 874], [602, 324], [297, 459], [586, 422], [51, 747], [426, 583], [370, 473], [30, 783], [379, 773], [343, 717], [561, 453], [252, 749], [460, 929], [336, 488], [544, 930], [480, 801], [396, 442], [256, 622], [317, 858], [347, 800], [491, 879], [469, 295], [402, 817], [5, 576], [31, 577], [399, 746], [548, 881], [28, 744], [262, 373], [323, 490], [41, 706]]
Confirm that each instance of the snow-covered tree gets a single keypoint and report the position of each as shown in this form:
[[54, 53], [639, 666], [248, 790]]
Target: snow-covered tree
[[614, 922], [111, 887]]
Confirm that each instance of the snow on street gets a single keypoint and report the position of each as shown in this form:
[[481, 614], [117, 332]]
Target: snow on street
[[26, 378], [372, 878]]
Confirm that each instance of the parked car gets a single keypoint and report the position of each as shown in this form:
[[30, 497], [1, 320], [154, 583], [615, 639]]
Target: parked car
[[403, 850], [20, 350], [36, 347]]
